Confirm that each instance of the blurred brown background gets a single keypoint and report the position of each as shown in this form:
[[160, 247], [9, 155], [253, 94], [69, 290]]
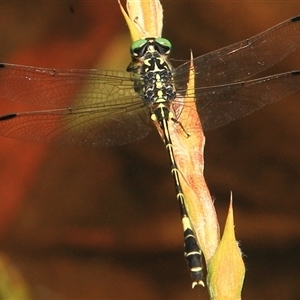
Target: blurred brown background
[[82, 223]]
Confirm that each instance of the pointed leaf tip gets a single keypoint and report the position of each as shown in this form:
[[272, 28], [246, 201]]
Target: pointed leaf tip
[[144, 18], [227, 270]]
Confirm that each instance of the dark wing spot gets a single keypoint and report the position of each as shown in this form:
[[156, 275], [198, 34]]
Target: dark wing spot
[[7, 117], [295, 19]]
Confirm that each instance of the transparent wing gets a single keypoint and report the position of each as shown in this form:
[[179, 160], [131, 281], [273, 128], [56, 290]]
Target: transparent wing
[[243, 59], [219, 105], [58, 87], [90, 107]]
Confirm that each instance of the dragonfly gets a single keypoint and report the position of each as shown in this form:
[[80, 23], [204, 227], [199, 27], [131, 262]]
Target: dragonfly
[[106, 108]]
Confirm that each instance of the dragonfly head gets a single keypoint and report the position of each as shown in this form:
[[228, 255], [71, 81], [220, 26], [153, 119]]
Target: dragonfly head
[[139, 48]]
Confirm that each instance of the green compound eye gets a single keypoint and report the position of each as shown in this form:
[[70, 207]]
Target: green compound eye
[[164, 45], [137, 46], [164, 42]]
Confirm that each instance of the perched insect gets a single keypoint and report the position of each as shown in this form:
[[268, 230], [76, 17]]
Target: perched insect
[[105, 108]]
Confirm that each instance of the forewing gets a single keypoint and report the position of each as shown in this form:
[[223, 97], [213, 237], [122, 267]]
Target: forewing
[[56, 88], [243, 59]]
